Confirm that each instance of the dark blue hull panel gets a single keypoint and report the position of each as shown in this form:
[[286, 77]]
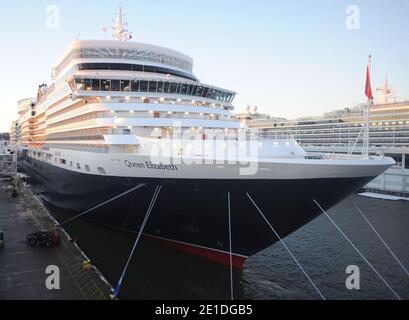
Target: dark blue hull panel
[[195, 212]]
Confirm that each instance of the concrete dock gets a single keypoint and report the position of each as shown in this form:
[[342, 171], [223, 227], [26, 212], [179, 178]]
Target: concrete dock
[[23, 268]]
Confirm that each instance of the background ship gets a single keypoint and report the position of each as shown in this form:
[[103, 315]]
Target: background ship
[[340, 132]]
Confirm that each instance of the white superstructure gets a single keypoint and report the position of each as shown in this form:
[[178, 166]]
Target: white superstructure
[[126, 98]]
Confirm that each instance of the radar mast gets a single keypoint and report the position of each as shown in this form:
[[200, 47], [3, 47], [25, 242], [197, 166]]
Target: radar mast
[[120, 31]]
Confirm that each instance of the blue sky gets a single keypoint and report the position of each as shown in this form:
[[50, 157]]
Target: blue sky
[[290, 57]]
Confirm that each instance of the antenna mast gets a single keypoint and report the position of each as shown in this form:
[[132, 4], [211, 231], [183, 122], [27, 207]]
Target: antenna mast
[[120, 31], [385, 92]]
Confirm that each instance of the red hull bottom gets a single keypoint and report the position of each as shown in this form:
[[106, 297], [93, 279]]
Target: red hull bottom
[[220, 257]]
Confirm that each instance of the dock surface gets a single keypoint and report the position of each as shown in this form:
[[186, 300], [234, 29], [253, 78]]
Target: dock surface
[[23, 268]]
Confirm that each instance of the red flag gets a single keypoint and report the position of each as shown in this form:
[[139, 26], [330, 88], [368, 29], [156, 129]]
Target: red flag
[[368, 88]]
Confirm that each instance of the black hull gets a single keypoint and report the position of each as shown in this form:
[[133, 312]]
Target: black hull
[[195, 212]]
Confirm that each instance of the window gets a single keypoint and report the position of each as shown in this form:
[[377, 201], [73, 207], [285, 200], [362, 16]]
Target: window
[[184, 89], [205, 92], [129, 54], [160, 87], [101, 170], [213, 94], [96, 84], [125, 86], [62, 161], [87, 168], [106, 85], [135, 86], [80, 84], [144, 86], [153, 86], [189, 90], [173, 88], [166, 87], [87, 84], [126, 131], [156, 115], [115, 85], [78, 166], [71, 164], [179, 87]]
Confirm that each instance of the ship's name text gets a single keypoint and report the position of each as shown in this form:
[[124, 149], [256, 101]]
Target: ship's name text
[[150, 166]]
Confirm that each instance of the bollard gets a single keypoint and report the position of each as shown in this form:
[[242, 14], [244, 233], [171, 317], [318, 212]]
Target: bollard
[[86, 265]]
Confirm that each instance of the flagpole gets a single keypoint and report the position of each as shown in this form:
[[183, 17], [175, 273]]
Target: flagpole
[[368, 112], [367, 128]]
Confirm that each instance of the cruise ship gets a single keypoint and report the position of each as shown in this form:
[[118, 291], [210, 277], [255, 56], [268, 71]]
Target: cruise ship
[[389, 126], [122, 115]]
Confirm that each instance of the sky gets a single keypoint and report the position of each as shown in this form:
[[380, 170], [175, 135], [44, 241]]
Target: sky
[[291, 58]]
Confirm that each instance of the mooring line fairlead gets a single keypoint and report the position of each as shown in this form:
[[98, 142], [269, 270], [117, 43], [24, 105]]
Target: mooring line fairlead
[[358, 251], [288, 249], [148, 213], [230, 248], [381, 239], [139, 186]]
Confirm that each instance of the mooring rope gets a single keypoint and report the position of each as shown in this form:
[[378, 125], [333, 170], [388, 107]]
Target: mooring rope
[[358, 251], [121, 230], [381, 239], [288, 249], [139, 186], [230, 249], [148, 213]]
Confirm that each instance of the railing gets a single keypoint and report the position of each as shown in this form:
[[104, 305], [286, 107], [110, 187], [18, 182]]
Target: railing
[[260, 135], [8, 165], [395, 181]]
